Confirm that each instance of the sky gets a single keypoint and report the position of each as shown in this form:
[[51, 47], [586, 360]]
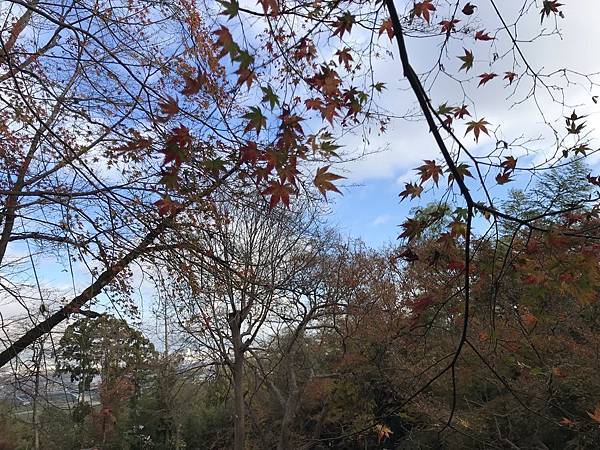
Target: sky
[[370, 207]]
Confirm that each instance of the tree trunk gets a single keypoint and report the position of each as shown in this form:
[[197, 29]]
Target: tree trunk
[[289, 411], [239, 425]]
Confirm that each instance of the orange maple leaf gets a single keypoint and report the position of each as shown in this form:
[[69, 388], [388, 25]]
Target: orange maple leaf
[[423, 9], [477, 127], [324, 181], [387, 27], [430, 170]]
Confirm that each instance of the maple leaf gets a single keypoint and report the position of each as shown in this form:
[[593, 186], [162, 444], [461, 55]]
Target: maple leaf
[[461, 112], [510, 76], [467, 60], [383, 432], [477, 127], [193, 84], [423, 9], [444, 109], [328, 148], [177, 146], [468, 9], [458, 228], [324, 181], [269, 4], [279, 192], [343, 24], [344, 57], [550, 6], [509, 163], [245, 75], [387, 27], [256, 120], [430, 170], [566, 421], [169, 106], [231, 8], [166, 206], [448, 25], [250, 153], [483, 36], [583, 148], [463, 171], [409, 255], [412, 189], [595, 416], [413, 228], [314, 103], [329, 111], [420, 304], [269, 96], [327, 81], [379, 86], [503, 178], [448, 121], [485, 77], [225, 41]]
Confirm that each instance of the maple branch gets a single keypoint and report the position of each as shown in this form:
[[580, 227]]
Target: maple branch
[[89, 293]]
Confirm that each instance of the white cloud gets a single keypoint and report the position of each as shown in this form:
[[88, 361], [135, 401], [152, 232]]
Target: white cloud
[[381, 220]]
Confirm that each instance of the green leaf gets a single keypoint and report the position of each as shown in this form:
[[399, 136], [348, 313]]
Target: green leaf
[[231, 9], [269, 96], [256, 120]]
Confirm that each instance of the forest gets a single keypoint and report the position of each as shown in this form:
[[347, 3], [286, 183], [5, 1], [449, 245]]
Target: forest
[[299, 224]]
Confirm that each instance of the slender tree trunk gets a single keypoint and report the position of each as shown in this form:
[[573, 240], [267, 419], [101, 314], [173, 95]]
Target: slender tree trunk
[[35, 418], [239, 427], [239, 409], [289, 411]]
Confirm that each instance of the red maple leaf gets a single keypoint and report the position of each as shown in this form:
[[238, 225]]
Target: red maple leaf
[[461, 112], [550, 6], [344, 57], [250, 153], [225, 41], [483, 36], [193, 84], [485, 77], [510, 76], [448, 25], [279, 192], [509, 163], [468, 9], [166, 206], [503, 178]]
